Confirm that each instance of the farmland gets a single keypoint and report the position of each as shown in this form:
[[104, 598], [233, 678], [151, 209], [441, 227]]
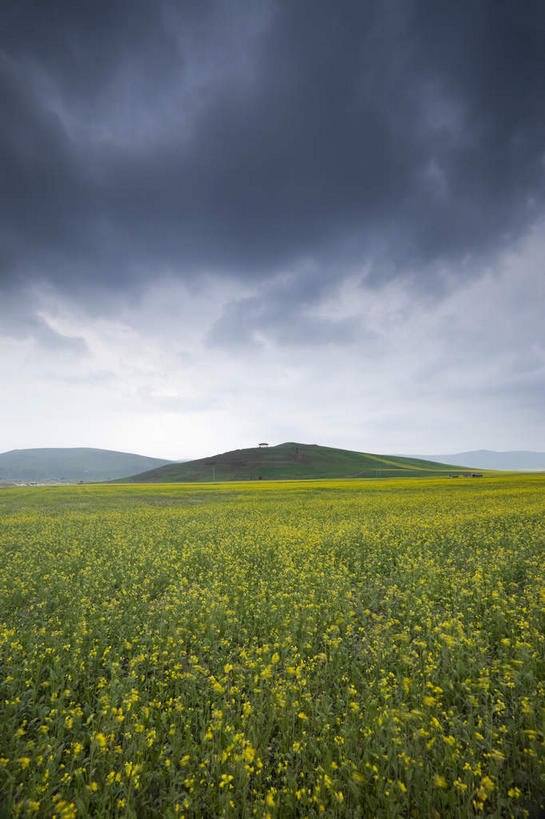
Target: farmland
[[337, 648]]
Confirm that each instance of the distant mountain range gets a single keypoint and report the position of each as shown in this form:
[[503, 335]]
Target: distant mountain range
[[489, 459], [290, 461], [71, 465]]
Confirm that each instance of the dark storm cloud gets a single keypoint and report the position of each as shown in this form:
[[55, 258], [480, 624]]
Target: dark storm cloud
[[21, 319], [247, 138], [260, 320]]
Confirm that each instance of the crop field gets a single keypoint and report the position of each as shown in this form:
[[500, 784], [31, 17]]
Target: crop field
[[331, 648]]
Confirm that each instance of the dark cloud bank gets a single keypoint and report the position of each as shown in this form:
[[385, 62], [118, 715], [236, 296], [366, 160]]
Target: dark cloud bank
[[254, 139]]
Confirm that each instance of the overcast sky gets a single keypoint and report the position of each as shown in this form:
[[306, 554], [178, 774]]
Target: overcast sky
[[231, 222]]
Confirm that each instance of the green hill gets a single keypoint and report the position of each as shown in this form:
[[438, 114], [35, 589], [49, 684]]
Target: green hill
[[291, 461], [72, 464]]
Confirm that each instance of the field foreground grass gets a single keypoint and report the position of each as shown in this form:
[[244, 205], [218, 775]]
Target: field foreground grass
[[339, 648]]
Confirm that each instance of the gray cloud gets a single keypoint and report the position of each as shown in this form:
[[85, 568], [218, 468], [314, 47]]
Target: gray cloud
[[144, 138], [198, 196], [283, 313], [467, 369], [253, 320], [20, 318]]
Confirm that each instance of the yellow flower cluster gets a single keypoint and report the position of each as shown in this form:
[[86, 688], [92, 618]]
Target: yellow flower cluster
[[327, 648]]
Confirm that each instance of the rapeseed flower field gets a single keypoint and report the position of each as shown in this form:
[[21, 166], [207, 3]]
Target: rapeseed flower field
[[328, 648]]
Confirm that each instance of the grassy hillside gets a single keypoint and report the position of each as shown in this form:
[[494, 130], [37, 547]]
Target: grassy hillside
[[71, 464], [291, 461]]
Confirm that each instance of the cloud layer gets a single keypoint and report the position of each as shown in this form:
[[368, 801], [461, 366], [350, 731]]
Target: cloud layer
[[202, 197]]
